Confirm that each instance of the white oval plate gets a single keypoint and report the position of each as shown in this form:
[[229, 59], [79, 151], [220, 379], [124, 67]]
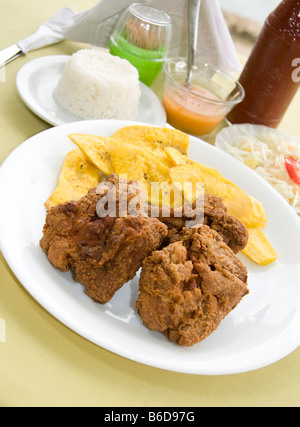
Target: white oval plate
[[262, 329], [37, 79]]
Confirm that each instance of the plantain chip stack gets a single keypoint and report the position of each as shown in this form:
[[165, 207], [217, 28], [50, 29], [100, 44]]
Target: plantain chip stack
[[158, 155]]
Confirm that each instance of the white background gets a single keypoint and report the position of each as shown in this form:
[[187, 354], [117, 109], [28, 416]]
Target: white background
[[256, 10]]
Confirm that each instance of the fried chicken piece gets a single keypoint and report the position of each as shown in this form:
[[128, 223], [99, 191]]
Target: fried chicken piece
[[232, 230], [103, 253], [187, 288]]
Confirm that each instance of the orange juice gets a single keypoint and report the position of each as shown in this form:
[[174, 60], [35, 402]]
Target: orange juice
[[190, 113]]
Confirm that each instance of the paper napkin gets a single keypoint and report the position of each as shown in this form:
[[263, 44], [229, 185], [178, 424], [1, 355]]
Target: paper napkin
[[94, 26]]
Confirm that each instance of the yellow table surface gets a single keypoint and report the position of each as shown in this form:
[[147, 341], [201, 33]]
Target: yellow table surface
[[42, 362]]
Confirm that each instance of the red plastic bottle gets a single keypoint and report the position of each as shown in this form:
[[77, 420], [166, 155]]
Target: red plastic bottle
[[271, 75]]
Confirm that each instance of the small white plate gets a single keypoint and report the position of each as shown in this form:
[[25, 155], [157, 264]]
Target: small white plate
[[37, 79], [262, 329], [233, 133]]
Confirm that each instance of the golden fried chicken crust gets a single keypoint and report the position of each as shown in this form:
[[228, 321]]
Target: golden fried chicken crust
[[187, 288], [103, 253], [216, 216]]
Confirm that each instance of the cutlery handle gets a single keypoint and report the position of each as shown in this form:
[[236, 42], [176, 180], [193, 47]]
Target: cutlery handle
[[193, 24], [8, 54]]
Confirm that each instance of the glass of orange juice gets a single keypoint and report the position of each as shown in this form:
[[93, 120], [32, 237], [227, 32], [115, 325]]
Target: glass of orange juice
[[198, 108]]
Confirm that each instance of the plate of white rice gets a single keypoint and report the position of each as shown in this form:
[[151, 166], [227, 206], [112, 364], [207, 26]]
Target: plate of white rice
[[63, 89]]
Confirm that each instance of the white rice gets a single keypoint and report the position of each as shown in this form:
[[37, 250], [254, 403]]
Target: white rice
[[98, 85]]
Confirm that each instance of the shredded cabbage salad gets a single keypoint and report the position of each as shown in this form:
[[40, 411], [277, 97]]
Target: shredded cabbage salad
[[267, 155]]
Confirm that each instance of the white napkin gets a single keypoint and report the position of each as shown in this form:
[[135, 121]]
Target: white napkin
[[215, 45], [95, 25], [52, 31]]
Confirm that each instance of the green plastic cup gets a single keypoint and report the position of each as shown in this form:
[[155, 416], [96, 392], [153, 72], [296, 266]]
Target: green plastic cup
[[142, 36], [148, 63]]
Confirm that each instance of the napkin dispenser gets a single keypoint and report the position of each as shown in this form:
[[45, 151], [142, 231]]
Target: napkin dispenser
[[215, 45], [95, 26]]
